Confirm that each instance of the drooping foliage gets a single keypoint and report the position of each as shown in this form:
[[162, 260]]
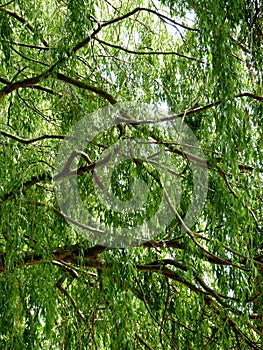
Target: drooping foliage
[[194, 288]]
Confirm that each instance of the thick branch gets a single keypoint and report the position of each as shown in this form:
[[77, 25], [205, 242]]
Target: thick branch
[[71, 253], [66, 254], [31, 82], [36, 87], [86, 86], [27, 82]]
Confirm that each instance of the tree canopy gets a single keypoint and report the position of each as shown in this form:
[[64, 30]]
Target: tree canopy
[[193, 285]]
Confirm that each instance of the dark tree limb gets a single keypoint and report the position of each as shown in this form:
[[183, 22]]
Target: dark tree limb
[[33, 140], [86, 86], [164, 53]]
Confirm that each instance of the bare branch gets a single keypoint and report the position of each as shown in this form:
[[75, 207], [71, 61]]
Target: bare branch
[[8, 3], [28, 141], [147, 52], [32, 46]]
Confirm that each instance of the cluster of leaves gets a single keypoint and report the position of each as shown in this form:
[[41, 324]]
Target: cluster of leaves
[[197, 288]]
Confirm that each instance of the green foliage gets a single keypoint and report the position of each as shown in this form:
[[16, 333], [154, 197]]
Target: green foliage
[[199, 288]]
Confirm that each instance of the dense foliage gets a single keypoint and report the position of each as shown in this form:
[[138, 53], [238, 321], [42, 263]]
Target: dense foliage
[[196, 288]]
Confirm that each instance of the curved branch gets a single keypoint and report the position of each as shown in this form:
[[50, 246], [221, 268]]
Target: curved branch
[[28, 141], [143, 342], [86, 86], [35, 80], [210, 105], [31, 82], [28, 82], [37, 87], [71, 299], [121, 18], [196, 110], [68, 218], [248, 94], [45, 89], [152, 315], [171, 21], [192, 235], [147, 52]]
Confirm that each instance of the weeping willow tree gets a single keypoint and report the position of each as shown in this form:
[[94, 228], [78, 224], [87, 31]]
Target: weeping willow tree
[[194, 285]]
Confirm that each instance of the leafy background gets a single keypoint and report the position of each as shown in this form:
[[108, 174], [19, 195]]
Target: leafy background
[[62, 60]]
